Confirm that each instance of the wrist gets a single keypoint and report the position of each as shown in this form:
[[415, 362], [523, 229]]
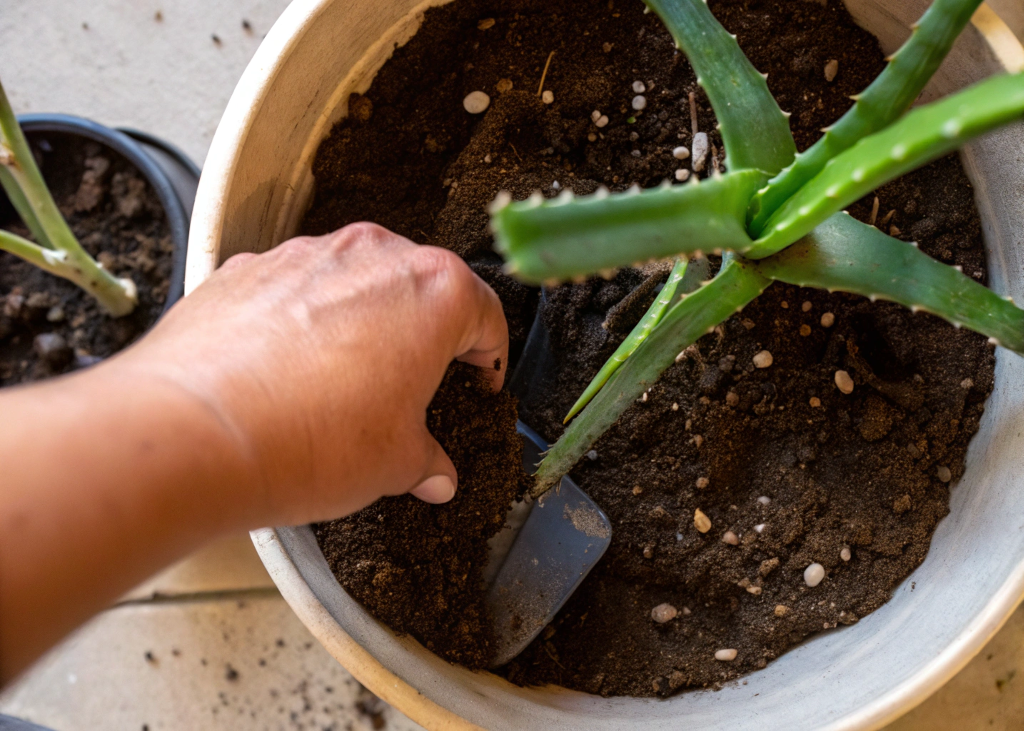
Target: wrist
[[206, 459]]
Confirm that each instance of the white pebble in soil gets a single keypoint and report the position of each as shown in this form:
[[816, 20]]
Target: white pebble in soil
[[595, 115], [764, 359], [681, 153], [814, 574], [702, 483], [639, 102], [548, 97], [828, 320], [831, 69], [639, 87], [701, 521], [476, 102], [844, 382], [845, 553], [759, 528], [726, 655], [664, 613], [602, 122], [731, 538], [682, 175], [943, 473], [592, 455], [764, 500], [700, 150]]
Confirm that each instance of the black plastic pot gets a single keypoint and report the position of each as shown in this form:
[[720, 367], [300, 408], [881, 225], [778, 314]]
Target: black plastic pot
[[169, 172]]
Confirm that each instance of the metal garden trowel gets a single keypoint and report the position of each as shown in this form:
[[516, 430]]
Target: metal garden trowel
[[535, 567], [554, 541]]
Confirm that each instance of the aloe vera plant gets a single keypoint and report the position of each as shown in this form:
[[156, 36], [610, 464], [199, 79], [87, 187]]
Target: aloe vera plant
[[55, 250], [776, 215]]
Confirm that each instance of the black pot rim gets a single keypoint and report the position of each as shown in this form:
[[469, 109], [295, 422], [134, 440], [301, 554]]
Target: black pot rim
[[177, 216]]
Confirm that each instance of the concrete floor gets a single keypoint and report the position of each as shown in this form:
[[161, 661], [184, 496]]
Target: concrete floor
[[209, 644]]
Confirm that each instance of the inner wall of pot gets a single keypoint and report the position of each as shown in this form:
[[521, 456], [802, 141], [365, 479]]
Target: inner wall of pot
[[853, 677]]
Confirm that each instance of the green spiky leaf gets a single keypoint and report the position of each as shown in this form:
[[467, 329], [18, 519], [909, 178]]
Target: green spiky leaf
[[685, 277], [883, 102], [918, 138], [754, 130], [736, 284], [847, 255], [569, 237]]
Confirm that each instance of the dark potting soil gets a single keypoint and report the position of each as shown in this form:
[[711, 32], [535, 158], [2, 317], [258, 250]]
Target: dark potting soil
[[794, 469], [48, 326], [418, 567]]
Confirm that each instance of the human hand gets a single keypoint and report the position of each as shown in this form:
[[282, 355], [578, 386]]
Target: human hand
[[320, 358]]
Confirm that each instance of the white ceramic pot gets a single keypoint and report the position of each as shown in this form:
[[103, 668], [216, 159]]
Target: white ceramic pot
[[254, 192]]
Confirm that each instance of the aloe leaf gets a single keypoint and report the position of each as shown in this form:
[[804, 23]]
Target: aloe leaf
[[565, 238], [736, 284], [847, 255], [918, 138], [754, 130], [13, 145], [22, 206], [685, 277], [884, 101]]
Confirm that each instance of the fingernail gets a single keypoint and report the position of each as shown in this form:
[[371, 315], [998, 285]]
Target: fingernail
[[435, 490]]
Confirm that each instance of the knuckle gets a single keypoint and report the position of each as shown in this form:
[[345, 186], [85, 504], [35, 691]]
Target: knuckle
[[432, 264], [364, 231]]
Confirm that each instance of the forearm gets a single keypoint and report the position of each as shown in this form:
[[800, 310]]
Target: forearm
[[105, 477]]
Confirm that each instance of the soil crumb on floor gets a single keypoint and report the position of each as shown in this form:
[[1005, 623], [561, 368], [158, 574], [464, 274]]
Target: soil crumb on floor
[[49, 326], [418, 567], [789, 470]]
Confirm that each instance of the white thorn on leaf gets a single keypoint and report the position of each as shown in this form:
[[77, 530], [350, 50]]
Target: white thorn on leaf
[[536, 198], [500, 202]]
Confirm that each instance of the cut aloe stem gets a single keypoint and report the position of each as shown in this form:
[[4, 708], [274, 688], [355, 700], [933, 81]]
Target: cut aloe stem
[[736, 284], [567, 237], [883, 102], [918, 138], [754, 130], [849, 256], [58, 251], [685, 277]]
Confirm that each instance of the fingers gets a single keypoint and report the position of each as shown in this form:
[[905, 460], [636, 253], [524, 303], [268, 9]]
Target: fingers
[[471, 310], [487, 337], [439, 479]]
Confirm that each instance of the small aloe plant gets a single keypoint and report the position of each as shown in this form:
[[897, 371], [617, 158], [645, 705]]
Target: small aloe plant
[[776, 215], [55, 250]]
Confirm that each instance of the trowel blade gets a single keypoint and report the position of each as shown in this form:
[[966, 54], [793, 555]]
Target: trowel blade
[[555, 542]]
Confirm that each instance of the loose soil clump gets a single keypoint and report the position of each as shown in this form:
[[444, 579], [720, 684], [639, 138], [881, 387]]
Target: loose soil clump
[[788, 469], [48, 326], [418, 567]]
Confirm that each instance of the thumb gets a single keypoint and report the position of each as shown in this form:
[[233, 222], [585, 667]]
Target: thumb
[[439, 479]]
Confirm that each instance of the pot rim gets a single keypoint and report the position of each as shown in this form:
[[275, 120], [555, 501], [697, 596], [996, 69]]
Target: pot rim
[[207, 229], [121, 143]]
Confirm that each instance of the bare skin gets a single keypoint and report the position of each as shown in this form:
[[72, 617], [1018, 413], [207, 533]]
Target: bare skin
[[291, 387]]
